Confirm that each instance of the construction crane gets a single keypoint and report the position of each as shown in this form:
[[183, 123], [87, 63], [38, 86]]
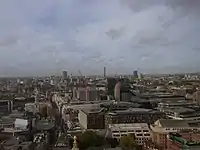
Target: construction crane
[[79, 72]]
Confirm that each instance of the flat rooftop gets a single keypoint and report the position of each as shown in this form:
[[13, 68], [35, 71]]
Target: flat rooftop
[[178, 102], [44, 125], [134, 110], [129, 125], [179, 110], [92, 111]]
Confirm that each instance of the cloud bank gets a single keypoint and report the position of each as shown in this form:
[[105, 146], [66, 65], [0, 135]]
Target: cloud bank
[[46, 36]]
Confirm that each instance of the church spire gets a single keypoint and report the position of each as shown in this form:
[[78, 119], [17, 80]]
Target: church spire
[[75, 144]]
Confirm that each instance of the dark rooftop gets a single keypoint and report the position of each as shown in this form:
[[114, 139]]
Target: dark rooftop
[[135, 110], [92, 111], [179, 110], [45, 125], [174, 123]]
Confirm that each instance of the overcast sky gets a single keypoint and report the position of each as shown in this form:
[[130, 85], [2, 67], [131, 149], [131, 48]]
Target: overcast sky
[[40, 37]]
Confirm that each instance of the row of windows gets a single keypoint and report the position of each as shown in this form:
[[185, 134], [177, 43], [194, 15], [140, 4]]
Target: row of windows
[[138, 135], [143, 134], [174, 128], [138, 131], [142, 139]]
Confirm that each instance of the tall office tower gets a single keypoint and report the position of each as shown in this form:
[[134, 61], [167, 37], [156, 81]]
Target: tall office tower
[[111, 82], [64, 75], [104, 72], [135, 74], [125, 93]]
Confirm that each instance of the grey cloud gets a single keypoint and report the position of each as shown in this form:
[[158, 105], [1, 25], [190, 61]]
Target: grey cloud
[[46, 36]]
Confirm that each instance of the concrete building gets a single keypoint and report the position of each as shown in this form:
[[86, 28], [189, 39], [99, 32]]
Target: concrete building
[[64, 75], [92, 94], [183, 113], [19, 102], [135, 74], [133, 115], [81, 93], [87, 93], [92, 118], [196, 96], [122, 91], [140, 130], [31, 107], [6, 106], [179, 103], [126, 95]]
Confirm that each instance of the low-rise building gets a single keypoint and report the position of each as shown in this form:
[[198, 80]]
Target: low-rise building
[[140, 130], [187, 141], [180, 103], [161, 129], [183, 113]]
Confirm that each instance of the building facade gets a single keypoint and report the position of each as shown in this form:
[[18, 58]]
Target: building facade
[[111, 82], [183, 113], [161, 128], [92, 118], [87, 93], [133, 115], [140, 130]]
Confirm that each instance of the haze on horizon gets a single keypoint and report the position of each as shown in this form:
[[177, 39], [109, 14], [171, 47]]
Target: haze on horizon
[[46, 36]]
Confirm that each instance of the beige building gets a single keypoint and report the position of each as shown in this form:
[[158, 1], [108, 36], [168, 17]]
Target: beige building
[[140, 130], [196, 96]]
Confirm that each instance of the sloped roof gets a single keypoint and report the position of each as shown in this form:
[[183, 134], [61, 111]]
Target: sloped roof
[[173, 123]]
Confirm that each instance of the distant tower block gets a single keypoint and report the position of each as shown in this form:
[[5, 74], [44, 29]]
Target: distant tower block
[[135, 74], [104, 72], [64, 75]]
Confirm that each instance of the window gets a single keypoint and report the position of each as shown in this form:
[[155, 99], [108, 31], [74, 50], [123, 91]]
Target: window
[[138, 130], [146, 134], [131, 131], [139, 134]]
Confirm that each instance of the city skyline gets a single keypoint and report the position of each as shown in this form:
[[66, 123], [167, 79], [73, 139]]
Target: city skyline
[[45, 37]]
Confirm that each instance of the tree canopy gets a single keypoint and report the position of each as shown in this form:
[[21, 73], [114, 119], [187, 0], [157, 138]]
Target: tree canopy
[[128, 142], [89, 139]]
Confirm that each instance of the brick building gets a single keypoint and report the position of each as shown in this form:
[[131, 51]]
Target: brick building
[[161, 129]]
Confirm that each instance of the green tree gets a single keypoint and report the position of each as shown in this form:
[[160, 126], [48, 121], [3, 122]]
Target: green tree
[[128, 142], [89, 139]]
